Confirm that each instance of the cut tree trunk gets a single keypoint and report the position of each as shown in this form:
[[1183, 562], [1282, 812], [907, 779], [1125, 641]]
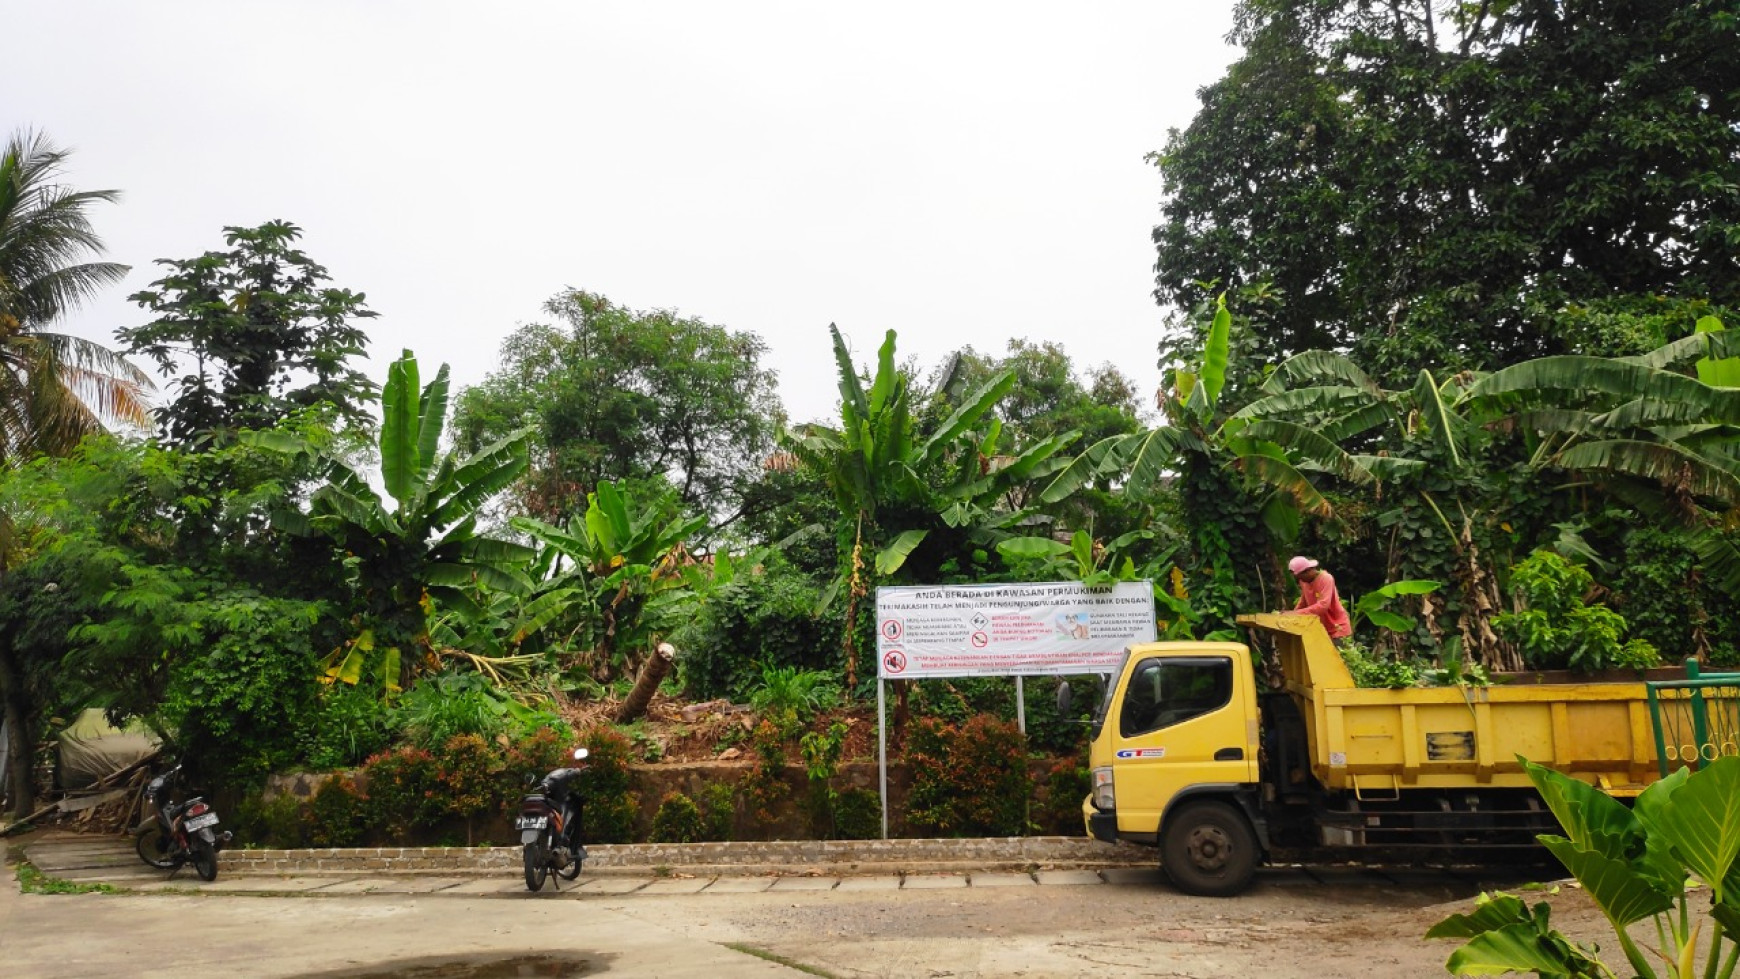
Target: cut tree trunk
[[652, 673], [22, 753]]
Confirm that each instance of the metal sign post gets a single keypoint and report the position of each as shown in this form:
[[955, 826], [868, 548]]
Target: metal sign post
[[882, 752]]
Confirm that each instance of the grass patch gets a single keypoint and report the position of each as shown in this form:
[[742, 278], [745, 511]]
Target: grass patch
[[762, 953], [34, 881]]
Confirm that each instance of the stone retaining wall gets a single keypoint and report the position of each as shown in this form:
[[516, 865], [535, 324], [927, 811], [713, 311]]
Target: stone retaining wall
[[740, 858]]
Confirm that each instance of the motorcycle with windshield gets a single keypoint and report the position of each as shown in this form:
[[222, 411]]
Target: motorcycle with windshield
[[549, 824], [177, 833]]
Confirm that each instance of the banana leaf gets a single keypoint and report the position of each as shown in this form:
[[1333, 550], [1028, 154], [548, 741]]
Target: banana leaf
[[1318, 367], [890, 558], [399, 436], [1215, 353], [431, 416], [1660, 461]]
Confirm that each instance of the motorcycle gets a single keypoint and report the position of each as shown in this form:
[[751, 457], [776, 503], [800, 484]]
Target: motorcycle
[[177, 833], [549, 825]]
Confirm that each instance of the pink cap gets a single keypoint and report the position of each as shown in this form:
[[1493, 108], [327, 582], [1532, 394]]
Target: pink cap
[[1299, 563]]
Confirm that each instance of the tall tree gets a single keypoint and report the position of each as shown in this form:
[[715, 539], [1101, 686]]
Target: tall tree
[[54, 388], [630, 396], [250, 335], [1506, 181]]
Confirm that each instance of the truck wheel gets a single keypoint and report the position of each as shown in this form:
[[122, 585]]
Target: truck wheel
[[1209, 850]]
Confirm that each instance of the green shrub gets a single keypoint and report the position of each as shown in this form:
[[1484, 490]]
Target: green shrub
[[790, 697], [718, 811], [404, 792], [1668, 600], [1557, 629], [678, 821], [439, 707], [764, 789], [1067, 783], [821, 763], [349, 724], [606, 789], [238, 705], [468, 771], [765, 618], [281, 824], [337, 813], [858, 815], [970, 779]]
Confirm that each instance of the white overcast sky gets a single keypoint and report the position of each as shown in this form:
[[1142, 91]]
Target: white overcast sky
[[964, 173]]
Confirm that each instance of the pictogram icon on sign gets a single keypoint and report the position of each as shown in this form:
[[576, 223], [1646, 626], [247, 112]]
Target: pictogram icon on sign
[[892, 629], [980, 620], [895, 661], [980, 640]]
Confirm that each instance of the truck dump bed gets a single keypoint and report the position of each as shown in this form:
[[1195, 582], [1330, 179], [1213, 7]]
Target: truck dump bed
[[1376, 743]]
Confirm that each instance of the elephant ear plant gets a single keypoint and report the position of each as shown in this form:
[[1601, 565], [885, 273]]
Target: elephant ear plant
[[1669, 859]]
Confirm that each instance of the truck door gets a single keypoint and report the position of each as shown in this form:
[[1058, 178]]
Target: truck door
[[1182, 721]]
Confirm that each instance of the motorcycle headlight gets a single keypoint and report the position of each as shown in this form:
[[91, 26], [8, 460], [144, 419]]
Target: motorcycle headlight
[[1105, 799]]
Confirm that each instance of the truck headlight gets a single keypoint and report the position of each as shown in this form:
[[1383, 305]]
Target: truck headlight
[[1105, 799]]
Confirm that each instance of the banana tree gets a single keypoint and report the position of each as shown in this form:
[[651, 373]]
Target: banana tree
[[1248, 480], [903, 492], [1660, 431], [1634, 863], [419, 546], [626, 568]]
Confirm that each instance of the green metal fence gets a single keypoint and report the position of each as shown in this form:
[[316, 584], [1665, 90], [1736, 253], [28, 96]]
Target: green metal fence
[[1696, 720]]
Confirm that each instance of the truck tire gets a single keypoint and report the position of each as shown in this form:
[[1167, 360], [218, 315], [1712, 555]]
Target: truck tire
[[1208, 849]]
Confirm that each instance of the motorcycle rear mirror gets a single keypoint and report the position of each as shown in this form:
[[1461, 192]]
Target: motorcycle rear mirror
[[580, 754]]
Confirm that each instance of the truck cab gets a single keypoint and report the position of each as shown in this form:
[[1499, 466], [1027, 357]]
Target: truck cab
[[1174, 759]]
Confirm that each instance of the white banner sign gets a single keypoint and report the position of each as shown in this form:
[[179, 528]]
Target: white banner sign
[[1049, 628]]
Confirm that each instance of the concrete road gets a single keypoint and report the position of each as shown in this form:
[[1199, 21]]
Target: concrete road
[[238, 937], [1294, 923]]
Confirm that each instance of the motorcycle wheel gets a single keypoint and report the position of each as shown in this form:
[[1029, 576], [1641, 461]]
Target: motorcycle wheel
[[536, 866], [571, 871], [205, 860], [157, 849]]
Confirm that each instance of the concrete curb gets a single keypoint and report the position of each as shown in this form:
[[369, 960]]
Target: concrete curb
[[784, 857]]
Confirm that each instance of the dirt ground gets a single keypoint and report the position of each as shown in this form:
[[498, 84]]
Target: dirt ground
[[1291, 926], [722, 732]]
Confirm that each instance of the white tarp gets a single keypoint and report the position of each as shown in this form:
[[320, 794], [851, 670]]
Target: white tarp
[[1049, 628], [91, 748]]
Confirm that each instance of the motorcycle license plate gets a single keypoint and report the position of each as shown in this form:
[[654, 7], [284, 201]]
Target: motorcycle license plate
[[531, 822], [201, 822]]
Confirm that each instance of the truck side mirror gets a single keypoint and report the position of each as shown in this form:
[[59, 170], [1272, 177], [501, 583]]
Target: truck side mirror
[[1064, 699]]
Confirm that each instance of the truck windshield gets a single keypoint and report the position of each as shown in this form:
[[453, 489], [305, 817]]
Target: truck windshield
[[1110, 683]]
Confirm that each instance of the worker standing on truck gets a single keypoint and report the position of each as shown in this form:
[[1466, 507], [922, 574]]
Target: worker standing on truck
[[1317, 596]]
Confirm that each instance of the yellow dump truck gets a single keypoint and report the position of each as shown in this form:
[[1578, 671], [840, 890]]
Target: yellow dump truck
[[1190, 755]]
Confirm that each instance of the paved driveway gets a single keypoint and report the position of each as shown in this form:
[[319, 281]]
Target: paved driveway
[[1294, 923]]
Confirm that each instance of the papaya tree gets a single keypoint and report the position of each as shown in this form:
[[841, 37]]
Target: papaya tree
[[419, 545]]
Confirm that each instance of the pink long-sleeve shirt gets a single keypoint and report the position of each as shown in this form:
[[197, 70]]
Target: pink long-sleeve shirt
[[1318, 597]]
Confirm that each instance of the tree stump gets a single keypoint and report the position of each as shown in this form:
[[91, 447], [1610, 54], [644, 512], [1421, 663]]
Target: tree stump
[[652, 673]]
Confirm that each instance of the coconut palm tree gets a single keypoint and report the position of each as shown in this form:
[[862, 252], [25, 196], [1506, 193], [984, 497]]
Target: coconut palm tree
[[54, 388]]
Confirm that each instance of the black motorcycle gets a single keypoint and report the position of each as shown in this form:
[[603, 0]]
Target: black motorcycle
[[179, 832], [549, 825]]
